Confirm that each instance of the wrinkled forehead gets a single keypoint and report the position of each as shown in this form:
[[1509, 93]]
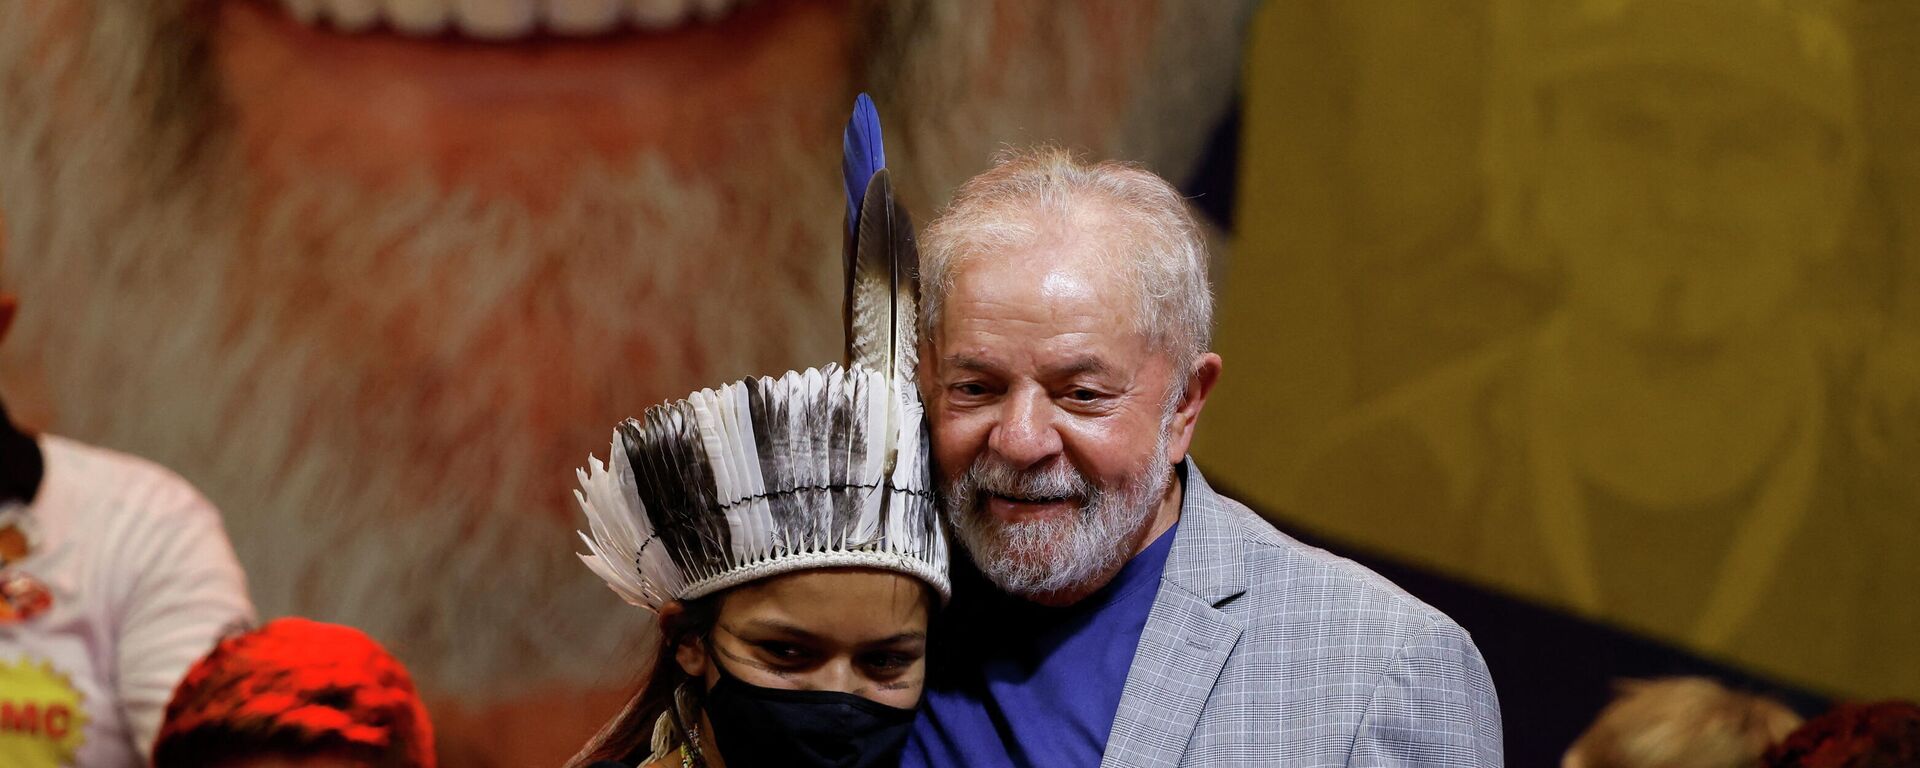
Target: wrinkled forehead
[[1081, 250], [1061, 278]]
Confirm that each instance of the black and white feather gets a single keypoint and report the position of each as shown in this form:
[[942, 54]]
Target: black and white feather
[[815, 469]]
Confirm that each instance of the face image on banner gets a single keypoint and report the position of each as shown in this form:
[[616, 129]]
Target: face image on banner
[[1611, 314]]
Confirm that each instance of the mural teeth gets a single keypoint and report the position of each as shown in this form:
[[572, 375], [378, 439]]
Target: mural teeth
[[496, 19], [352, 15], [506, 19], [657, 14], [419, 17], [583, 17]]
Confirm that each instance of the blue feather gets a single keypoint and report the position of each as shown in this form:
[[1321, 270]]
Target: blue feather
[[862, 156]]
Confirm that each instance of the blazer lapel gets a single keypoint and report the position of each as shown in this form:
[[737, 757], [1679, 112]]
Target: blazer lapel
[[1187, 638]]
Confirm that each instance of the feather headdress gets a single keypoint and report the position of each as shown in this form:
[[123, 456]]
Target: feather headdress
[[816, 469]]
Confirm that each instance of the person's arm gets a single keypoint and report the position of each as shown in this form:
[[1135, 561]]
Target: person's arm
[[184, 589], [1434, 706]]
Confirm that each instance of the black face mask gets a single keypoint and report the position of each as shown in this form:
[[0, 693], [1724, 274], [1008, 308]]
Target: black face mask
[[756, 727]]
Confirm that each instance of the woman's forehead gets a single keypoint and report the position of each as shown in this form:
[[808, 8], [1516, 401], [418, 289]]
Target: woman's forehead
[[830, 600]]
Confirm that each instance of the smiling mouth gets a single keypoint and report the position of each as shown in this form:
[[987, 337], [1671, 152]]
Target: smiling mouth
[[507, 20], [1017, 508], [1030, 499]]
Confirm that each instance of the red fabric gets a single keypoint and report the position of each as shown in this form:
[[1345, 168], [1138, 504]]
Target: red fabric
[[1883, 735], [305, 682]]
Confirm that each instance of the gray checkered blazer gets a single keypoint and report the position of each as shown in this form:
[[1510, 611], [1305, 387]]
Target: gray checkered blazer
[[1260, 650]]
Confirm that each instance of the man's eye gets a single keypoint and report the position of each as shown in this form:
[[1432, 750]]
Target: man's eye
[[1083, 395], [969, 389]]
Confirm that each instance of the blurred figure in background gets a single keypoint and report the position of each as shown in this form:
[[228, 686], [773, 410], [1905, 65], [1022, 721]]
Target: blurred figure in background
[[1882, 735], [115, 574], [1687, 722], [370, 270], [296, 693]]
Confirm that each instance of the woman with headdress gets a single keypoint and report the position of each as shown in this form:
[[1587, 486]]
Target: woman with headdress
[[783, 532]]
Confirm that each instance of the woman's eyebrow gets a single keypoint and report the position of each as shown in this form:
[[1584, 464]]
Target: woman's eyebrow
[[776, 626], [795, 632], [903, 637]]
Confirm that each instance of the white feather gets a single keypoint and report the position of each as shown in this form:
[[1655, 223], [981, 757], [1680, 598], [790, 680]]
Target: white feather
[[712, 413], [616, 541], [909, 470], [906, 330], [820, 448], [599, 562], [788, 455], [747, 536], [756, 516], [871, 472], [800, 457], [616, 485], [872, 312], [840, 391], [712, 442], [726, 407]]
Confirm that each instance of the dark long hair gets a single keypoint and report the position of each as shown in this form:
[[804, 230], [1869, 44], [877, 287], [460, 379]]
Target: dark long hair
[[629, 735]]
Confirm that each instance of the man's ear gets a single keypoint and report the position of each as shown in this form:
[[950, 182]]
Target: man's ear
[[1186, 413], [690, 652]]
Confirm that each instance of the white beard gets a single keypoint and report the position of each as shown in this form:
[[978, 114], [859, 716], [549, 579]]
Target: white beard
[[1078, 553], [389, 413]]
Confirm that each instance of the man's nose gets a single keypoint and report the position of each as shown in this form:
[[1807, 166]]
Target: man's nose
[[1025, 434]]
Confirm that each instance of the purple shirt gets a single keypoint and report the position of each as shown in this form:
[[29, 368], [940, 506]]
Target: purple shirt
[[1017, 684]]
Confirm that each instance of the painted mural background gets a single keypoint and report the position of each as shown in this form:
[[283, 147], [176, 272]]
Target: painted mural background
[[378, 276]]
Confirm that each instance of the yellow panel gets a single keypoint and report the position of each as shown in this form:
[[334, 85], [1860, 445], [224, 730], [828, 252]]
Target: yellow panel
[[1604, 303]]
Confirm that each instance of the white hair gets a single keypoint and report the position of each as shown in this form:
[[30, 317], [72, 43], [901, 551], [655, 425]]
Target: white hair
[[1147, 233]]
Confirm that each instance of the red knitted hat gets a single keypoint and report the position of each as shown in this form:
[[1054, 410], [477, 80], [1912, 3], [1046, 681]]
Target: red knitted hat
[[296, 688]]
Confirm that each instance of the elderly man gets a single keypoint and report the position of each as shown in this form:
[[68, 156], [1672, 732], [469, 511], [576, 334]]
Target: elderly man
[[1125, 613]]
